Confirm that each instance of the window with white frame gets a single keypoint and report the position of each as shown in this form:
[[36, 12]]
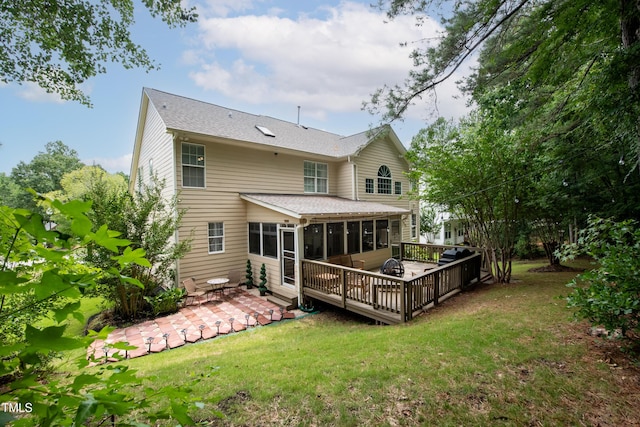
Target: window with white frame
[[447, 230], [216, 237], [384, 180], [263, 239], [368, 186], [397, 187], [316, 177], [192, 165]]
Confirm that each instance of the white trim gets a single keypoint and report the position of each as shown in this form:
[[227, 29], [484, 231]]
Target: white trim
[[204, 166]]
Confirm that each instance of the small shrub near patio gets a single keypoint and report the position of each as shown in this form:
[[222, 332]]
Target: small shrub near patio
[[166, 302]]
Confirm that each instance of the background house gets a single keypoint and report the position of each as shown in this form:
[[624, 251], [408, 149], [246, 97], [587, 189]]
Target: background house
[[272, 191]]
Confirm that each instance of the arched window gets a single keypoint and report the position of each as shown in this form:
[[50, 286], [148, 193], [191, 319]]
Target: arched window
[[384, 180]]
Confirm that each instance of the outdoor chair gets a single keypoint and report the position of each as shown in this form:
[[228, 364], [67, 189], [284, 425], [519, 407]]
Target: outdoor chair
[[357, 282], [235, 279], [192, 290]]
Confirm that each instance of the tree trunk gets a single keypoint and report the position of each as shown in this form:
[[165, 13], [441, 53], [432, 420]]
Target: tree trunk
[[550, 250], [630, 32]]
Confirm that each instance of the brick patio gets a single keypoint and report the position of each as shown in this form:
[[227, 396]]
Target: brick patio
[[234, 311]]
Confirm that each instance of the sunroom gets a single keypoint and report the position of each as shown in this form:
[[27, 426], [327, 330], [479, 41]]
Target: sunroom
[[284, 229]]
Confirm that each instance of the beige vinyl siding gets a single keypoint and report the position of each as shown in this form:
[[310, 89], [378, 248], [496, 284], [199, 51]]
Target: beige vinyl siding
[[344, 180], [229, 172], [233, 170], [219, 206], [157, 145], [240, 169], [378, 153]]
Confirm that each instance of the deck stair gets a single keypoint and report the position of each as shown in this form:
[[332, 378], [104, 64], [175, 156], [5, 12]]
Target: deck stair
[[287, 302]]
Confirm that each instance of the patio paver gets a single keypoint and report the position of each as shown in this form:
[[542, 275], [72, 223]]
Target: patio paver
[[191, 324]]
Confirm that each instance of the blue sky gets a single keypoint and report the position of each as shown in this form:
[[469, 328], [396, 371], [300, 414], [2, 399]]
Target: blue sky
[[260, 56]]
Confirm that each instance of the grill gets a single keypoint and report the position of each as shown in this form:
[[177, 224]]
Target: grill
[[451, 255], [392, 267]]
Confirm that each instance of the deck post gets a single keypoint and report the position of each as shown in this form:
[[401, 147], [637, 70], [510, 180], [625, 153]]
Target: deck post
[[343, 287], [436, 288]]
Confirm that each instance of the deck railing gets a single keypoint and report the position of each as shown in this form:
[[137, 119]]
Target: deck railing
[[388, 299]]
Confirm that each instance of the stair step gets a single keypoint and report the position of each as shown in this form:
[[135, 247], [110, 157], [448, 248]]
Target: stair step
[[287, 303]]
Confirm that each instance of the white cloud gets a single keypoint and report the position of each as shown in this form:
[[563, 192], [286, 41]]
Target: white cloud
[[333, 63], [225, 7], [112, 164], [32, 92]]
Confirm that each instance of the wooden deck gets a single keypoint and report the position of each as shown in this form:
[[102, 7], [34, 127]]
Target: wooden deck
[[389, 299]]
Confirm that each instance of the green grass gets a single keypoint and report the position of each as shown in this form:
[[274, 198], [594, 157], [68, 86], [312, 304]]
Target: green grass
[[507, 355], [88, 307]]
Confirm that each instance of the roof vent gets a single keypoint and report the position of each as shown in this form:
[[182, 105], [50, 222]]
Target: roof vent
[[230, 114], [265, 131]]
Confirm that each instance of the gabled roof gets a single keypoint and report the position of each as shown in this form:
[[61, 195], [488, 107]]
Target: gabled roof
[[299, 206], [187, 115]]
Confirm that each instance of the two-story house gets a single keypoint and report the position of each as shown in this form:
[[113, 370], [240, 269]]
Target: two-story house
[[275, 192]]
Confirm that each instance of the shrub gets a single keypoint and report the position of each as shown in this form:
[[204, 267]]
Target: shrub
[[610, 294], [167, 301]]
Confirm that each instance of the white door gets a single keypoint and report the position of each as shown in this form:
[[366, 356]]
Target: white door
[[288, 256]]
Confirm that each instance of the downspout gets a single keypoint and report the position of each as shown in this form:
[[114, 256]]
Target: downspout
[[174, 137], [354, 179]]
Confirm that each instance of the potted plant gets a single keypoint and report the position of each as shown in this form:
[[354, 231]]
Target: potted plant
[[249, 275], [263, 280]]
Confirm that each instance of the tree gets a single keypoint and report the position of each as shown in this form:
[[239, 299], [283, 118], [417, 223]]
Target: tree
[[429, 224], [475, 171], [9, 190], [60, 44], [609, 295], [44, 173], [37, 268], [576, 62], [150, 223]]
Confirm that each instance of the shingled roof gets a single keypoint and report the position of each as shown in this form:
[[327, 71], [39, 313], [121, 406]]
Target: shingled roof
[[307, 205], [182, 114]]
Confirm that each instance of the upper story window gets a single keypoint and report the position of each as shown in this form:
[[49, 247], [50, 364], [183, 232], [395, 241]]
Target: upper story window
[[397, 186], [316, 177], [368, 185], [384, 180], [192, 165]]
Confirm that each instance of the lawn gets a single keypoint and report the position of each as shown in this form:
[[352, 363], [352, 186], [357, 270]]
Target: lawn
[[498, 355]]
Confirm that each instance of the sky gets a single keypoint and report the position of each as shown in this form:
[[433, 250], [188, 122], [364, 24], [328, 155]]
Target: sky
[[263, 57]]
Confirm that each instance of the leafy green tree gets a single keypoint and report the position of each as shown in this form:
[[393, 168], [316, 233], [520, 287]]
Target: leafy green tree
[[150, 222], [38, 264], [449, 161], [428, 221], [44, 172], [60, 44], [609, 295], [559, 81], [77, 184], [9, 190]]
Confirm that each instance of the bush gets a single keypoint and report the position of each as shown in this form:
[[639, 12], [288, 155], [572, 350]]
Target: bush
[[525, 249], [167, 301], [609, 295]]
